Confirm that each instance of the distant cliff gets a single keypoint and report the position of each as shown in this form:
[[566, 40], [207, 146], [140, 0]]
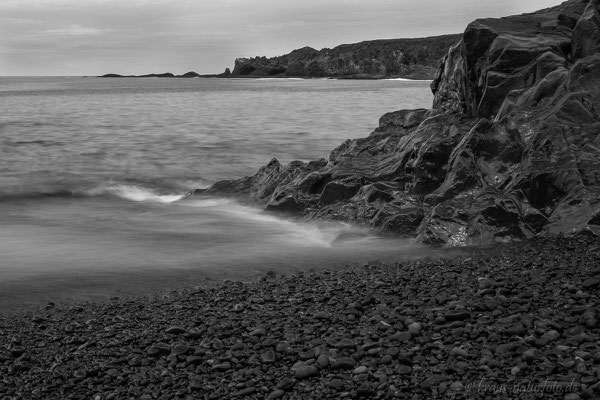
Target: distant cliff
[[190, 74], [408, 58]]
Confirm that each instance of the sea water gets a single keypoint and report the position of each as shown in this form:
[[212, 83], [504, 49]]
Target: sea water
[[93, 173]]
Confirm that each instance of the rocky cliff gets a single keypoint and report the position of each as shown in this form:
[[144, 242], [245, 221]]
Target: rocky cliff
[[408, 58], [510, 148]]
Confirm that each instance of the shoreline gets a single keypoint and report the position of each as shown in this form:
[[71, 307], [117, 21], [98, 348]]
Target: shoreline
[[510, 317], [266, 77]]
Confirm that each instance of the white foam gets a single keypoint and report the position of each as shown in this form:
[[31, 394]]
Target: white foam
[[212, 202], [407, 80], [136, 193], [283, 230]]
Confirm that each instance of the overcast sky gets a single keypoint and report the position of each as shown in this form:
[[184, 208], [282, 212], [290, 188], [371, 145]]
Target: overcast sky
[[92, 37]]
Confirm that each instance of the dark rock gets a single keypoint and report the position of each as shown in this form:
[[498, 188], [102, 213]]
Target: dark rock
[[344, 363], [222, 367], [323, 361], [195, 333], [276, 394], [159, 349], [194, 360], [346, 344], [285, 384], [269, 357], [181, 349], [403, 369], [531, 355], [285, 204], [339, 190], [400, 337], [457, 315], [246, 391], [17, 351], [176, 330], [306, 371], [258, 332], [591, 283], [365, 390], [336, 384]]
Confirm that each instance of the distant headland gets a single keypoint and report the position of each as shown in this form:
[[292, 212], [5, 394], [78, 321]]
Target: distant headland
[[417, 58], [190, 74]]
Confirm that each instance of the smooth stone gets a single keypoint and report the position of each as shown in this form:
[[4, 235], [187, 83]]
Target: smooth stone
[[400, 337], [194, 360], [321, 315], [345, 363], [457, 315], [485, 283], [195, 333], [506, 348], [591, 283], [222, 367], [268, 357], [17, 351], [414, 328], [258, 332], [247, 391], [159, 349], [306, 371], [285, 384], [403, 369], [323, 361], [364, 390], [336, 384], [276, 394], [360, 370], [387, 359], [532, 355], [180, 349], [457, 351], [345, 344], [175, 330]]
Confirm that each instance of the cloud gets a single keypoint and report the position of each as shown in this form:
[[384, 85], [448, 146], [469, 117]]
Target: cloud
[[140, 36], [74, 30]]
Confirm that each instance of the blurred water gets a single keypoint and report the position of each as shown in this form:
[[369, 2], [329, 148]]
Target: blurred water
[[93, 172]]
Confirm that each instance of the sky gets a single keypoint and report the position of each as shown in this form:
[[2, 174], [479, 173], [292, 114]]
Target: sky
[[94, 37]]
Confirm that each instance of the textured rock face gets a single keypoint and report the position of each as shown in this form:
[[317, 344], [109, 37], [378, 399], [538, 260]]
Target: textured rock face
[[509, 150], [410, 58]]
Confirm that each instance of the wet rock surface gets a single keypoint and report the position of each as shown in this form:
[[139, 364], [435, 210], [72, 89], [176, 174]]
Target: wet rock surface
[[514, 321], [508, 150]]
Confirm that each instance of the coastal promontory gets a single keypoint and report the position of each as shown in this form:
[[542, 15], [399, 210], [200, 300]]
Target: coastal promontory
[[509, 149], [407, 58]]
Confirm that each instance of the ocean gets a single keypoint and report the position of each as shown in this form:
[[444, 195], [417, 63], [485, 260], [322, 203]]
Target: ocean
[[94, 171]]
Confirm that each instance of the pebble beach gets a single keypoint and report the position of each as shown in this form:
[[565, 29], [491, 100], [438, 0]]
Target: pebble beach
[[516, 321]]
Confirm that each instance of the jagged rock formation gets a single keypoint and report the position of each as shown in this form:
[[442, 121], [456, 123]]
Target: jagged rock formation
[[510, 149], [407, 58]]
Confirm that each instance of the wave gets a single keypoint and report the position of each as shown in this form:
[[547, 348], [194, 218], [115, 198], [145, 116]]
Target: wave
[[407, 80], [279, 78], [136, 193], [282, 230], [129, 192]]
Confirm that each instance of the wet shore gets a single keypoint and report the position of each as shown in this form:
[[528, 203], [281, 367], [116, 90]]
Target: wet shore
[[518, 322]]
